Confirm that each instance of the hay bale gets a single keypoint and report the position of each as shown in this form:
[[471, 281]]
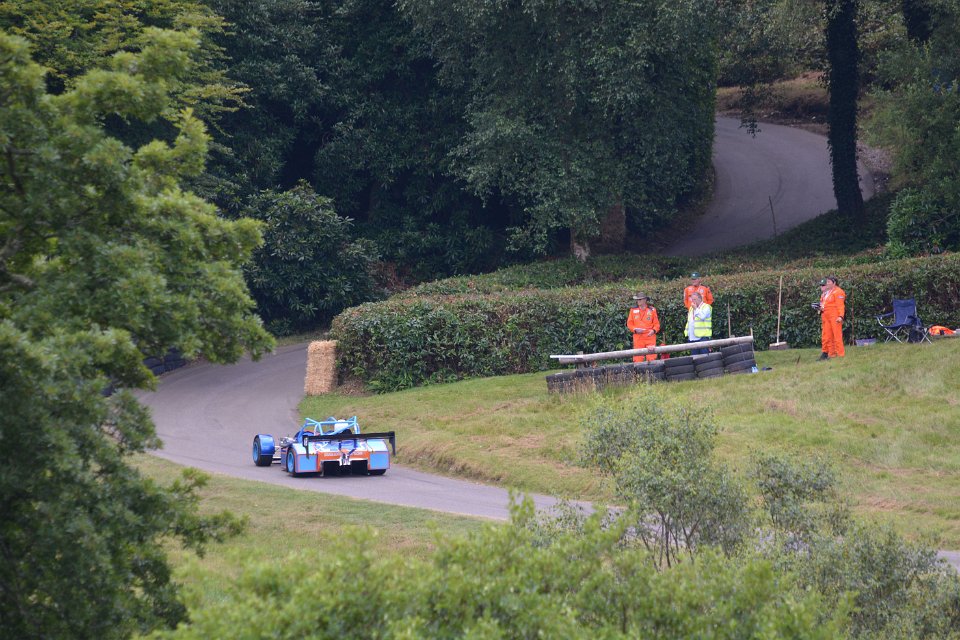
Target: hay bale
[[321, 368]]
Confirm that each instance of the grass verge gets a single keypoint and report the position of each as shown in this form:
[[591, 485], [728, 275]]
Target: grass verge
[[886, 415], [283, 522]]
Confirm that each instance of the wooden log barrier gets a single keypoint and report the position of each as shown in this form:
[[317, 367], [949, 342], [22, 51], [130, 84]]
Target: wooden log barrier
[[583, 358]]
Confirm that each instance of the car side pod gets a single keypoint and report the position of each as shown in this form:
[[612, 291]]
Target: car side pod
[[263, 450]]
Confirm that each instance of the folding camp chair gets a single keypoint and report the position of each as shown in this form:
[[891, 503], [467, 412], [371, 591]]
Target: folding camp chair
[[906, 325]]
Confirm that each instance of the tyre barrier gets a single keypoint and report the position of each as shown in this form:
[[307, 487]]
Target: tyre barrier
[[743, 365], [173, 359], [732, 360]]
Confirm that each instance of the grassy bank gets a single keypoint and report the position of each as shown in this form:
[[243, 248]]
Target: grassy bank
[[887, 415], [282, 523]]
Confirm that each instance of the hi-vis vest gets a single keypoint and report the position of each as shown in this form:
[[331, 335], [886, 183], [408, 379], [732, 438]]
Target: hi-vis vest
[[701, 328]]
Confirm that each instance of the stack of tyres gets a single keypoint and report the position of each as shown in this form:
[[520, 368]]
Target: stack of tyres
[[614, 375], [623, 374], [677, 369], [583, 380], [739, 358], [173, 360], [560, 382], [649, 371], [709, 365], [155, 364]]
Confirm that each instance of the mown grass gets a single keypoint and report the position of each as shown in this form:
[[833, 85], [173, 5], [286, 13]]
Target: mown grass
[[800, 99], [886, 415], [283, 522]]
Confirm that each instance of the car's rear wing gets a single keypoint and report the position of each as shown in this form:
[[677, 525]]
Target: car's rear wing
[[340, 437]]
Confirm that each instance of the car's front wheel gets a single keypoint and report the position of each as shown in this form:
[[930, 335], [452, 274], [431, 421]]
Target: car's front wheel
[[259, 458]]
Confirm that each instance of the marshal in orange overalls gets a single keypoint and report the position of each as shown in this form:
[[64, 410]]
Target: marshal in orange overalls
[[644, 325], [702, 289], [831, 321]]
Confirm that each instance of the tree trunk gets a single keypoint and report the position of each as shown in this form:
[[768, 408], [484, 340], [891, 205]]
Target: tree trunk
[[579, 246], [613, 230], [843, 83], [612, 238]]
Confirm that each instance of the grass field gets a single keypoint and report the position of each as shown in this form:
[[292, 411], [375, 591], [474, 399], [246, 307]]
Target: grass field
[[886, 415], [282, 522]]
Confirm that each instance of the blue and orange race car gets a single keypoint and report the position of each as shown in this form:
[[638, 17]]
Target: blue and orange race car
[[330, 447]]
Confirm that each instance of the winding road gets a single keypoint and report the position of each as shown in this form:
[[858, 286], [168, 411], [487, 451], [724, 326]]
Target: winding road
[[785, 168], [207, 415]]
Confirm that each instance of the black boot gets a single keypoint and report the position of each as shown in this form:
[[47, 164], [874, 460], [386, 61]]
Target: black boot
[[824, 356]]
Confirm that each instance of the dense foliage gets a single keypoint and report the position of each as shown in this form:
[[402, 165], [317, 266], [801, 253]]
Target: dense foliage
[[661, 459], [505, 583], [417, 339], [560, 102], [71, 39], [103, 257], [344, 96], [310, 267], [919, 116]]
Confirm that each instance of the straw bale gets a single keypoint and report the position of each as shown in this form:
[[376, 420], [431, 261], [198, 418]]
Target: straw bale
[[321, 368]]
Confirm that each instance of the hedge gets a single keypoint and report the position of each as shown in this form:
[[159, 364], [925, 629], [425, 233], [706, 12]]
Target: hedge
[[404, 342]]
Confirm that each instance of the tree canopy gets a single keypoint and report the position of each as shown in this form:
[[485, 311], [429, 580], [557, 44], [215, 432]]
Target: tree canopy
[[577, 108], [103, 258]]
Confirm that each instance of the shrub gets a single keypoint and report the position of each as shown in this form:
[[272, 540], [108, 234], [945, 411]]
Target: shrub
[[898, 589], [500, 584], [661, 460], [413, 340], [310, 267], [921, 222]]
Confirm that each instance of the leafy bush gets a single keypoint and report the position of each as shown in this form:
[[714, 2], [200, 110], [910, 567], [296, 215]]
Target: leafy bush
[[500, 584], [893, 583], [661, 460], [412, 340], [921, 222], [918, 115], [898, 589], [310, 267]]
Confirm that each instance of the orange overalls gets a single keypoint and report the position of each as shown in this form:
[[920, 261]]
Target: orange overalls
[[703, 290], [648, 323], [831, 321]]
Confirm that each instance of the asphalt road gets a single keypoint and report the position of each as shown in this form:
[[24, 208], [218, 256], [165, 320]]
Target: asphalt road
[[207, 416], [785, 166]]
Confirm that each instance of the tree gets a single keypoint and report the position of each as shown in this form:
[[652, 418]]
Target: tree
[[582, 111], [103, 258], [311, 267], [660, 459], [918, 115], [843, 84], [344, 95]]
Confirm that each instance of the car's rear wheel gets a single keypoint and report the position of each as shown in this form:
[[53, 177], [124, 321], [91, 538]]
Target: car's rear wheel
[[377, 472], [291, 462]]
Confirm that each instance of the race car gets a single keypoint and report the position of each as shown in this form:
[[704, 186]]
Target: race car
[[330, 447]]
